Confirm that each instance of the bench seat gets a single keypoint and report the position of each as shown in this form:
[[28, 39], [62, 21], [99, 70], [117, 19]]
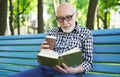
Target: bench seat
[[18, 53], [106, 62]]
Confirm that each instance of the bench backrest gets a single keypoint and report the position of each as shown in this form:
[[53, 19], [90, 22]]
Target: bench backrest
[[106, 53], [18, 53]]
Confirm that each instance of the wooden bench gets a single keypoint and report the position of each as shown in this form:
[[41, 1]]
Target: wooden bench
[[18, 53], [106, 53]]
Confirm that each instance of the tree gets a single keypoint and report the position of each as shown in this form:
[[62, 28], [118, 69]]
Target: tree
[[11, 18], [18, 22], [40, 17], [3, 16], [91, 14], [103, 13], [105, 6], [20, 12]]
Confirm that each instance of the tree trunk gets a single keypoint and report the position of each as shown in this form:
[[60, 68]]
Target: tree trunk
[[98, 20], [55, 9], [66, 0], [18, 21], [91, 14], [11, 18], [105, 20], [60, 1], [3, 16], [54, 6], [40, 17]]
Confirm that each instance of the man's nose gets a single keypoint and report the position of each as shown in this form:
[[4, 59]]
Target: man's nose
[[65, 21]]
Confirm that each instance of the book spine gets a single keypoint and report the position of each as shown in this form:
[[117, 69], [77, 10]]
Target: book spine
[[60, 60], [38, 60]]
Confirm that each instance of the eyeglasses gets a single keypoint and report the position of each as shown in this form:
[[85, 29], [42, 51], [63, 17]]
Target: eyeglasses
[[67, 17]]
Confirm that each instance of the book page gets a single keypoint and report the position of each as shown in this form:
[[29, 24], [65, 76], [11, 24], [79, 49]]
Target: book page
[[74, 50], [48, 53]]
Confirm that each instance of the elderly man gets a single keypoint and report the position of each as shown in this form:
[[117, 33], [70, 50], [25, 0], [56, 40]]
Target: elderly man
[[69, 35]]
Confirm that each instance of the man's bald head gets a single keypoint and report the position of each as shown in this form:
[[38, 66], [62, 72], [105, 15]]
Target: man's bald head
[[65, 7]]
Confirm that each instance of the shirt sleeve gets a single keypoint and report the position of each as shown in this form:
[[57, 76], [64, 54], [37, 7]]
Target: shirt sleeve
[[87, 52]]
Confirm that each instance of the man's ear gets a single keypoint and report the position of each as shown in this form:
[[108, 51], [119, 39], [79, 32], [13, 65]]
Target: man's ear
[[76, 15]]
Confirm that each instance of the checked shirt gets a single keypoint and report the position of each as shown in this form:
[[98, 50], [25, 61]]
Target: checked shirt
[[79, 37]]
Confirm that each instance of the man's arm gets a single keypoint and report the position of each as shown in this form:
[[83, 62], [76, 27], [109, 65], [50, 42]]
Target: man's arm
[[88, 52]]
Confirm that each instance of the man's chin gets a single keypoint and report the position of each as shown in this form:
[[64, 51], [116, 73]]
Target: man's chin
[[67, 31]]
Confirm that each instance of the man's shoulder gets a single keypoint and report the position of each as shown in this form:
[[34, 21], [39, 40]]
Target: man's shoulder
[[83, 30], [84, 33], [53, 31]]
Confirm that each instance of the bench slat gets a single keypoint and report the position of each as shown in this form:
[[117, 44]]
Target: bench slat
[[106, 58], [101, 75], [28, 62], [19, 48], [4, 73], [107, 48], [29, 36], [19, 54], [106, 68], [106, 32], [107, 40], [22, 42], [14, 67]]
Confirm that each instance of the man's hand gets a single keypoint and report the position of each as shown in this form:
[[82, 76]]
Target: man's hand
[[44, 45], [65, 69], [70, 70]]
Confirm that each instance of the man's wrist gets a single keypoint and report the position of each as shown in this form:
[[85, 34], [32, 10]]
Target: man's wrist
[[79, 69]]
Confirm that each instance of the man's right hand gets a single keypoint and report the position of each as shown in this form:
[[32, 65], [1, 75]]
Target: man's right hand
[[44, 45]]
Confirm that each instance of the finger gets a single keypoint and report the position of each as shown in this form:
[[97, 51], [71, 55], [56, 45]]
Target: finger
[[44, 43], [68, 69], [44, 46], [65, 66], [60, 69], [55, 67]]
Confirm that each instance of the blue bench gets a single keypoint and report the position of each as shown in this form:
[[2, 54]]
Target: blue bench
[[18, 53]]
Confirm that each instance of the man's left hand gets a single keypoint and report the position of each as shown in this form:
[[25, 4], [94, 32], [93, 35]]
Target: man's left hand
[[65, 69]]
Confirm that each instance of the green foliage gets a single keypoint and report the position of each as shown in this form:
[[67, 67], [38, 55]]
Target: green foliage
[[25, 7], [106, 6], [51, 22], [82, 8]]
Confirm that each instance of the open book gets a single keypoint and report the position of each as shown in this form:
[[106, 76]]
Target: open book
[[51, 58]]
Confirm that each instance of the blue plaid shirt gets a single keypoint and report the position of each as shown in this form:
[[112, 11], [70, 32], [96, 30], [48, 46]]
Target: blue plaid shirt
[[79, 37]]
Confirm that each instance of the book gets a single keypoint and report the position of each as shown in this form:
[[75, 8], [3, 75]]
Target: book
[[50, 58]]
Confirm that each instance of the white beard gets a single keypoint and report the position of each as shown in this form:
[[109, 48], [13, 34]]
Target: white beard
[[68, 31]]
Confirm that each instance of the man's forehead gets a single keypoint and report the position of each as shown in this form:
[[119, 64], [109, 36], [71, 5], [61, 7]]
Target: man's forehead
[[66, 6], [65, 9]]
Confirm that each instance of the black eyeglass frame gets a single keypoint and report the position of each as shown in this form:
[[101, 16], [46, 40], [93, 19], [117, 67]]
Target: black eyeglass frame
[[67, 18]]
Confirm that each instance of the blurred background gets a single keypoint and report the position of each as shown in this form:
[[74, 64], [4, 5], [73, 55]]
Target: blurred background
[[18, 17]]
